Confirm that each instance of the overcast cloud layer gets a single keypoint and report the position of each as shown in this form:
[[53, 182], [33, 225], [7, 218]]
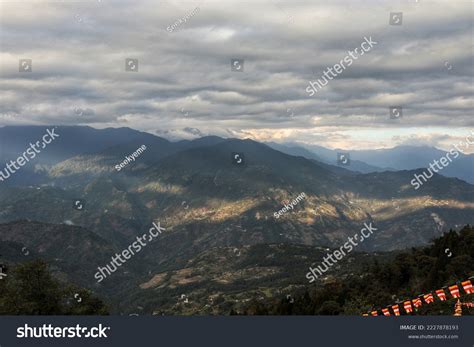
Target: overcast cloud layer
[[184, 87]]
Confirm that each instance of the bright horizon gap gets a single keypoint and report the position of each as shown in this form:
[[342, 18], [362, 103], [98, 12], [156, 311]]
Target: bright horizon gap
[[391, 139]]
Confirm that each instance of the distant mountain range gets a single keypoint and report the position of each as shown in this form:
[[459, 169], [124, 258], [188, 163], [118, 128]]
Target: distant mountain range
[[201, 174], [216, 197], [323, 155], [392, 159], [76, 140]]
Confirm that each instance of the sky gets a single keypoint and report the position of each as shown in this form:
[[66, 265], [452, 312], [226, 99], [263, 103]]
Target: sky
[[184, 85]]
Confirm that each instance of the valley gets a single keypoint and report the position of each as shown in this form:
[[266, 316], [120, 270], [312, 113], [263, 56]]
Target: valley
[[222, 247]]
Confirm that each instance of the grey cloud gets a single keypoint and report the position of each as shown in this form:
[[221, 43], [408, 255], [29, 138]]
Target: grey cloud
[[184, 79]]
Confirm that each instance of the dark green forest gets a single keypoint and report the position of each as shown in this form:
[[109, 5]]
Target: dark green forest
[[30, 289]]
